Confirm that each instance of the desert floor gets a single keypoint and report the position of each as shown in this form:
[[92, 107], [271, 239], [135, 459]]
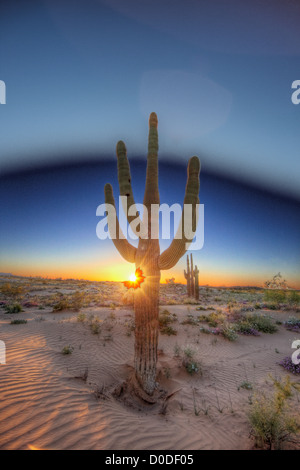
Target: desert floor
[[51, 400]]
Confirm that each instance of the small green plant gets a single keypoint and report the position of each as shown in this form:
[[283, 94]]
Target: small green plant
[[167, 372], [188, 352], [177, 350], [271, 423], [18, 322], [95, 327], [293, 298], [168, 330], [13, 308], [62, 305], [189, 320], [188, 361], [81, 317], [261, 323], [67, 350], [245, 385], [164, 319], [229, 333]]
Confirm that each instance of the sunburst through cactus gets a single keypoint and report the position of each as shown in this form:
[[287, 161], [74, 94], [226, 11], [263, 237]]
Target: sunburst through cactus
[[135, 279]]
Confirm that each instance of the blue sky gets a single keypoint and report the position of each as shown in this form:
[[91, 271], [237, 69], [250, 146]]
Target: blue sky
[[81, 75], [49, 226]]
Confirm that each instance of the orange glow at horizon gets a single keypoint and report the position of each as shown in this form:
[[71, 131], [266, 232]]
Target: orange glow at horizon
[[117, 270]]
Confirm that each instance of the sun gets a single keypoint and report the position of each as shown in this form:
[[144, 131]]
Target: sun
[[135, 280], [132, 278]]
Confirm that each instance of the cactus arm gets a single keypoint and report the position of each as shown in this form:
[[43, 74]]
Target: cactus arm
[[178, 247], [151, 190], [151, 195], [124, 178], [126, 250]]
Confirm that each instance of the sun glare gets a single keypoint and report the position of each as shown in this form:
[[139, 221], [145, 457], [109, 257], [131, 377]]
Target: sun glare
[[135, 280]]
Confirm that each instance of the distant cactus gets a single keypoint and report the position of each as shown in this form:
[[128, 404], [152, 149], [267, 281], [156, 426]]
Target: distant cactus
[[147, 255], [192, 277], [196, 277], [187, 275]]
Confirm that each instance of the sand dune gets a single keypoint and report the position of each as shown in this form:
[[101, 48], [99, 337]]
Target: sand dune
[[48, 399]]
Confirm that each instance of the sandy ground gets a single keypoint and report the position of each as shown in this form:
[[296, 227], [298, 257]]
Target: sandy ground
[[55, 401]]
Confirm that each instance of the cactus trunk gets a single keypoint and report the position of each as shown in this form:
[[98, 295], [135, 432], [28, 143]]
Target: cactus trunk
[[146, 300]]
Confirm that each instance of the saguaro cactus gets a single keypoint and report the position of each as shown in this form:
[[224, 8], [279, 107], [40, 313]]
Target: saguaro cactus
[[196, 277], [187, 275], [147, 255], [192, 277]]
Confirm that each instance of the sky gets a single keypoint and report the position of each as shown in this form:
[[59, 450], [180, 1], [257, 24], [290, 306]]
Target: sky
[[49, 226], [82, 75]]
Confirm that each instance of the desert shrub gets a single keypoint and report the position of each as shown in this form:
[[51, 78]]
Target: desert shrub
[[293, 324], [165, 318], [95, 327], [275, 296], [283, 386], [189, 320], [71, 302], [11, 291], [62, 305], [81, 317], [191, 367], [261, 323], [67, 350], [168, 330], [245, 328], [228, 332], [213, 319], [245, 385], [207, 331], [293, 298], [289, 366], [191, 301], [13, 308], [18, 322], [188, 361], [270, 420], [177, 350]]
